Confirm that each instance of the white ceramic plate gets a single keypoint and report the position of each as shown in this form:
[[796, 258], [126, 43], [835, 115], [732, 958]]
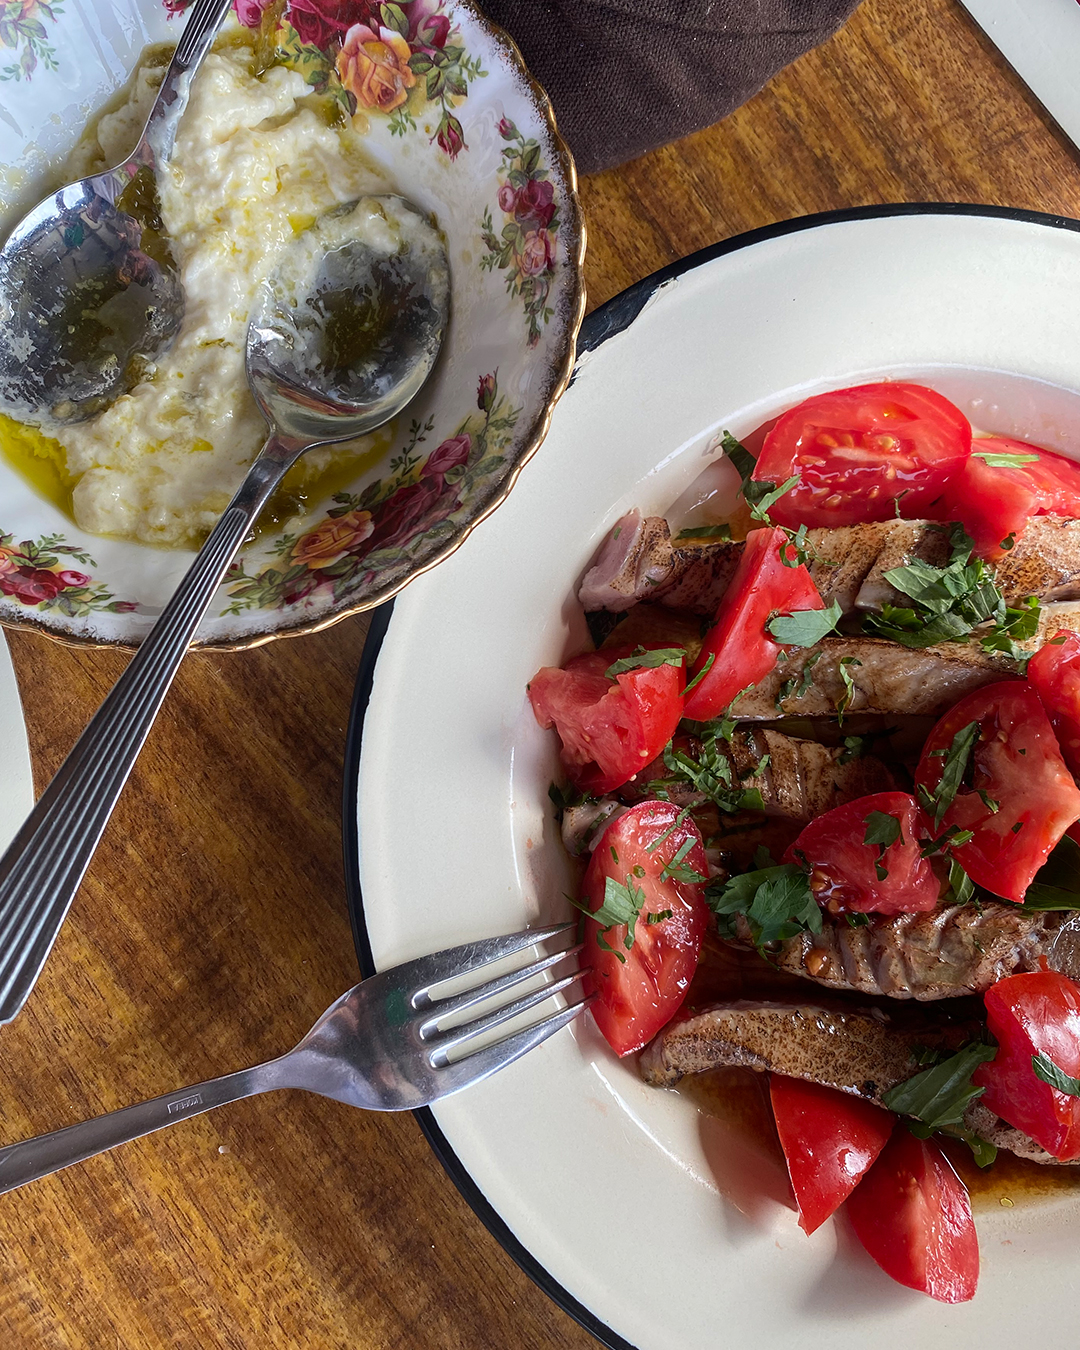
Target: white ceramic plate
[[1041, 41], [16, 783], [614, 1195]]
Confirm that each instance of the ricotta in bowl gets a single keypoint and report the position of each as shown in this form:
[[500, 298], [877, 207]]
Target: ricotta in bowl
[[257, 158]]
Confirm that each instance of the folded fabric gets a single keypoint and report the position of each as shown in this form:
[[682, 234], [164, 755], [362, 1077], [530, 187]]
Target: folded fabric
[[626, 76]]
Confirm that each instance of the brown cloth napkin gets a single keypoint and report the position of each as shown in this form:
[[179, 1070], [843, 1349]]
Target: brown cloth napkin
[[628, 75]]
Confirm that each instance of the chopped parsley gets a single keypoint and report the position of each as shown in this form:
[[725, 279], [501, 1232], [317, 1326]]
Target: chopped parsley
[[882, 830], [678, 870], [849, 687], [647, 660], [758, 496], [994, 460], [776, 902], [621, 905], [711, 774]]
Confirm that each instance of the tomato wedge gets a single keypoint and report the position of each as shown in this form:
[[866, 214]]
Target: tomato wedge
[[641, 987], [609, 728], [1022, 798], [1054, 670], [857, 450], [829, 1139], [848, 874], [993, 503], [1031, 1015], [913, 1215], [740, 650]]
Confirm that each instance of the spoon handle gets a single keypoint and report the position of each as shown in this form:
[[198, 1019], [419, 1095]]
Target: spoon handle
[[42, 869], [204, 19]]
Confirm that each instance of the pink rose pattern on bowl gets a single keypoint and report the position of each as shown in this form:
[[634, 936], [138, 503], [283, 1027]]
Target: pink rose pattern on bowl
[[431, 83]]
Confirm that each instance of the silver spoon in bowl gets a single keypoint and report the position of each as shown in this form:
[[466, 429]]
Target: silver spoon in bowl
[[89, 292], [342, 337]]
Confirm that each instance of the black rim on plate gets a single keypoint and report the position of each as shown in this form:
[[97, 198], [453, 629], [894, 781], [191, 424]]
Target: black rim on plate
[[603, 323]]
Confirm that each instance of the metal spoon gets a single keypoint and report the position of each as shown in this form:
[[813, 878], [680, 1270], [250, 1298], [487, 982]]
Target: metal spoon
[[342, 337], [89, 292]]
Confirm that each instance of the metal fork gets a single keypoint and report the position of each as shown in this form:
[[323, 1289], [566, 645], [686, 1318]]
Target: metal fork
[[381, 1046]]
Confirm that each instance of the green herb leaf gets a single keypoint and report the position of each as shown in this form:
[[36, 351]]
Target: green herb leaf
[[669, 831], [701, 673], [1048, 1071], [705, 532], [849, 687], [806, 627], [776, 901], [643, 660], [621, 905], [1004, 461], [940, 1095], [961, 886], [952, 773], [658, 916], [1057, 882], [759, 508], [676, 870], [883, 829]]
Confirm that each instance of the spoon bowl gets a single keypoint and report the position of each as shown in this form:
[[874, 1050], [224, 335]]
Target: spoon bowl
[[345, 333], [89, 293]]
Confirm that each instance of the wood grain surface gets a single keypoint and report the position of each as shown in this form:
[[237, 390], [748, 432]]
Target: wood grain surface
[[212, 928]]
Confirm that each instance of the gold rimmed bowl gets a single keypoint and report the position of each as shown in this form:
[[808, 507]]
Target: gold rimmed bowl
[[470, 137]]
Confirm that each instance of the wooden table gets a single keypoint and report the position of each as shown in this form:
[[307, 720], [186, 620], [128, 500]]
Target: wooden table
[[212, 927]]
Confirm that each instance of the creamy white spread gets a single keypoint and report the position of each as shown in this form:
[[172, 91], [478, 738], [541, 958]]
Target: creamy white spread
[[253, 165]]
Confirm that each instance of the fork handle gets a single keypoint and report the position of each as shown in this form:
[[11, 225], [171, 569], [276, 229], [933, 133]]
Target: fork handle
[[30, 1159], [42, 869]]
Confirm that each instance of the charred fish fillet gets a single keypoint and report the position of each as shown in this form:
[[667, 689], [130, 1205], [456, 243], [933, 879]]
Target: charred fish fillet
[[639, 561], [857, 1052], [952, 951], [870, 675]]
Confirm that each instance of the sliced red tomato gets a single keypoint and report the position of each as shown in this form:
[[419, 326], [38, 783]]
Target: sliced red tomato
[[993, 503], [1022, 798], [829, 1139], [848, 874], [740, 649], [913, 1215], [856, 450], [1054, 670], [1031, 1015], [609, 728], [641, 987]]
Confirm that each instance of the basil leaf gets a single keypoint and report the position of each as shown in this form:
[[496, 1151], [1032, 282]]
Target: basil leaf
[[701, 673], [961, 886], [759, 508], [1004, 461], [643, 660], [675, 870], [806, 627], [940, 1095], [1048, 1071]]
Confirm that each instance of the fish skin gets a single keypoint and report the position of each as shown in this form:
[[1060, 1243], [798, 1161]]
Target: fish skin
[[857, 1051], [952, 951], [889, 679], [847, 564]]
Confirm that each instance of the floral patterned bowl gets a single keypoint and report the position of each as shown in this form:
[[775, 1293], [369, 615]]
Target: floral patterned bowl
[[454, 117]]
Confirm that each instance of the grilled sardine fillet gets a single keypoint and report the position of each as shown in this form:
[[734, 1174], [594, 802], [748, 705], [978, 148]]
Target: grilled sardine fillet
[[639, 561], [952, 951], [799, 781], [855, 1051], [885, 677]]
